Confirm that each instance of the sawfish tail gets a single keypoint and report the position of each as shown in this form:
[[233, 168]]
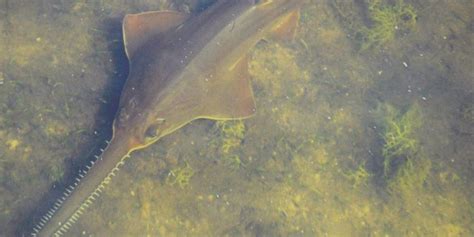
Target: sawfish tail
[[83, 192]]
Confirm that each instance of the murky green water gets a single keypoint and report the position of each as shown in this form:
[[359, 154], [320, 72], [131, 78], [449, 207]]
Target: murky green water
[[365, 125]]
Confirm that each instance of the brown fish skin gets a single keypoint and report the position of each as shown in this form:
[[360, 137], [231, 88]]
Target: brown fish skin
[[178, 73], [179, 77]]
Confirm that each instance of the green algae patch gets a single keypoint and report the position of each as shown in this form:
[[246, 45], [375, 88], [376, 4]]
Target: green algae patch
[[387, 20], [315, 198], [276, 71], [180, 176], [375, 23], [232, 134], [227, 139], [418, 189], [302, 166], [56, 172], [358, 177], [412, 177], [401, 143], [12, 144]]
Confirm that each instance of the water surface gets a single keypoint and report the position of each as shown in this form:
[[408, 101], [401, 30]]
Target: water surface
[[365, 125]]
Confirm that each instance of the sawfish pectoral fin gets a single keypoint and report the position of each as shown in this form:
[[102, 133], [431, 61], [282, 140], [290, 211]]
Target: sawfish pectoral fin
[[139, 28], [230, 95], [285, 28]]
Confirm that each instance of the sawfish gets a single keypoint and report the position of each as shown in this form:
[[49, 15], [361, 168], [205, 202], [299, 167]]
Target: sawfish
[[181, 68]]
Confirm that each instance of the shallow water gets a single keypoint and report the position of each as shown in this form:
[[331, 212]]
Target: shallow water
[[365, 125]]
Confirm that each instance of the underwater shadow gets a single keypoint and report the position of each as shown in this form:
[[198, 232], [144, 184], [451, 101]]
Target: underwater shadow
[[102, 128]]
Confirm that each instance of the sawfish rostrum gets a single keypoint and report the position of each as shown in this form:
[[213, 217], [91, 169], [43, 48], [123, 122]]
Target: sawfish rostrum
[[181, 68]]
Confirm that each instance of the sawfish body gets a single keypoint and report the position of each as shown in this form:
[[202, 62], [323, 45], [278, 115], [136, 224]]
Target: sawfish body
[[181, 68]]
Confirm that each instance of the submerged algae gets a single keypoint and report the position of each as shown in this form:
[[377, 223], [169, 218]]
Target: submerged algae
[[232, 134], [180, 176], [12, 144], [387, 20], [410, 178], [359, 177], [307, 193], [228, 138], [400, 140]]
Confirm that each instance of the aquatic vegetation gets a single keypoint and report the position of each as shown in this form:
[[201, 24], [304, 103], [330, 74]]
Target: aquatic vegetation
[[12, 144], [38, 41], [234, 129], [232, 161], [229, 144], [358, 177], [56, 129], [410, 178], [180, 176], [229, 137], [270, 63], [312, 182], [399, 135], [55, 172], [447, 177], [420, 207], [387, 20]]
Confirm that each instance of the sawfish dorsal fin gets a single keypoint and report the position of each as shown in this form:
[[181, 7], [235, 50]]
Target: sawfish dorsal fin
[[139, 28], [229, 93]]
